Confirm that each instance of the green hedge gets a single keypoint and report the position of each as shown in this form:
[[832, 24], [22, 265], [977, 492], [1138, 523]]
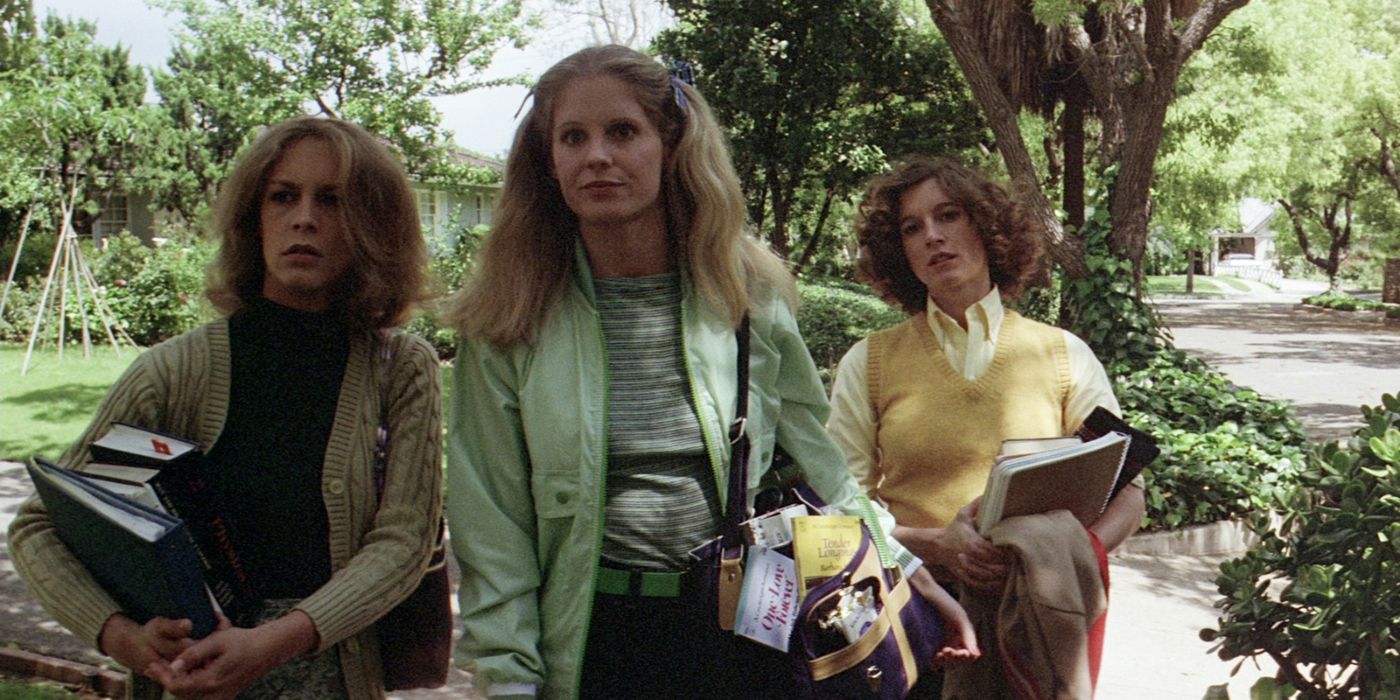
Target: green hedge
[[834, 314], [1317, 595], [1347, 302], [1226, 451], [152, 293]]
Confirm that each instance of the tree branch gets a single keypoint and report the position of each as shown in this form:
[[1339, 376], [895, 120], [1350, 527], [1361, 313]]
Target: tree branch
[[948, 16], [1209, 16], [1296, 218], [1140, 41], [1386, 162]]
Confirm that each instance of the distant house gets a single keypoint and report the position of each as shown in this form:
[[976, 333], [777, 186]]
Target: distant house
[[444, 213], [1252, 247]]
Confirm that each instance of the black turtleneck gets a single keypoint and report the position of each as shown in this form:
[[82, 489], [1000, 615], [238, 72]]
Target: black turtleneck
[[287, 367]]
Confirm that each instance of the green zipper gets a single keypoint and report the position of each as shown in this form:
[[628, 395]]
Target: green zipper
[[877, 534], [602, 501]]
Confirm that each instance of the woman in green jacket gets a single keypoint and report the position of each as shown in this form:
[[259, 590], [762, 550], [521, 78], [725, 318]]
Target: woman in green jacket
[[587, 449]]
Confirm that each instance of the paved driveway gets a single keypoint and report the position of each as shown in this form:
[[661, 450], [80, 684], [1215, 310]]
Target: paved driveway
[[1328, 363]]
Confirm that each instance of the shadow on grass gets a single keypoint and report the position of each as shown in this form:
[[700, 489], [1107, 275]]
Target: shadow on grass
[[70, 404], [61, 403]]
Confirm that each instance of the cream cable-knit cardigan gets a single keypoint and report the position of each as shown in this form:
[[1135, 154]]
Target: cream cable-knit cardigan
[[182, 387]]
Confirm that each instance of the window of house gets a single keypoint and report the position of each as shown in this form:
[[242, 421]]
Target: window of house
[[115, 217], [483, 209], [427, 210]]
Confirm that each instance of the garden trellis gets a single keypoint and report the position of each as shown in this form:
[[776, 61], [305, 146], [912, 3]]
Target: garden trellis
[[69, 279]]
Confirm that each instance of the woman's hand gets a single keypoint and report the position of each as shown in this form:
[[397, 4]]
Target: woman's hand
[[960, 551], [226, 662], [138, 646], [959, 637]]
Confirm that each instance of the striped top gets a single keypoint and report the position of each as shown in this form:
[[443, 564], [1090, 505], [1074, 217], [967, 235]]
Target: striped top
[[661, 495]]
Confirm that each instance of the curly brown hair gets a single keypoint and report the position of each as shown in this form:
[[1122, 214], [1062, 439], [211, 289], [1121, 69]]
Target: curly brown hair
[[1010, 236], [388, 275]]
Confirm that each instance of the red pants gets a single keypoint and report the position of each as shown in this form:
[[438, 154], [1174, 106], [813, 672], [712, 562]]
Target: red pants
[[1096, 630]]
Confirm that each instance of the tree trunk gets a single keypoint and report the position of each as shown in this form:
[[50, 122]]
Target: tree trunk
[[1386, 162], [1190, 272], [1073, 194], [1001, 117], [777, 238], [811, 248], [1340, 235]]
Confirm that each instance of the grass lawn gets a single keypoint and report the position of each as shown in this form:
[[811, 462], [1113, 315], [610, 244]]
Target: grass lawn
[[19, 690], [45, 410], [1159, 285]]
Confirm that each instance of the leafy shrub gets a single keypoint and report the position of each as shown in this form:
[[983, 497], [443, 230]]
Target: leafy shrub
[[18, 317], [1104, 309], [77, 301], [33, 260], [163, 298], [834, 314], [1318, 595], [449, 273], [1226, 451], [1347, 302], [1041, 303]]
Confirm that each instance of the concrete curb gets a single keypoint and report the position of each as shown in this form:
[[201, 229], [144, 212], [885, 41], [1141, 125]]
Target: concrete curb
[[27, 664], [1224, 537]]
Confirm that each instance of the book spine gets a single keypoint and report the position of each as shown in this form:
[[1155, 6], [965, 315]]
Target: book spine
[[186, 493], [185, 582]]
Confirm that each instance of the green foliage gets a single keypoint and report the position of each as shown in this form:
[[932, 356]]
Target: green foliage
[[1317, 594], [834, 314], [1104, 308], [1226, 451], [69, 109], [817, 96], [163, 295], [1346, 302], [449, 272], [1041, 303], [33, 260], [20, 303], [242, 63]]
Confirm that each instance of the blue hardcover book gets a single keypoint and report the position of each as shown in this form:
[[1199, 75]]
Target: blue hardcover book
[[143, 558]]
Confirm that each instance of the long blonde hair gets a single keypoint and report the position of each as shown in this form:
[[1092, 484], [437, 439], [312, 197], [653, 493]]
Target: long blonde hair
[[389, 267], [526, 260]]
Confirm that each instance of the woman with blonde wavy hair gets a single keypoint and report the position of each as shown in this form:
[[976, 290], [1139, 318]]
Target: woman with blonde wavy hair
[[596, 385], [320, 255]]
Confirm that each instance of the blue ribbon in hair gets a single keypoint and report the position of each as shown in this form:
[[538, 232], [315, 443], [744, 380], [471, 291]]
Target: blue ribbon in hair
[[681, 72]]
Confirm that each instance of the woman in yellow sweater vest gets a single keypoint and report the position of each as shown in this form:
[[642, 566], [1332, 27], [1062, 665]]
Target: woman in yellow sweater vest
[[921, 409]]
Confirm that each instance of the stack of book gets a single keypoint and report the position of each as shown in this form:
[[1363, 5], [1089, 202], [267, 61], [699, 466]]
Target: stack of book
[[142, 517]]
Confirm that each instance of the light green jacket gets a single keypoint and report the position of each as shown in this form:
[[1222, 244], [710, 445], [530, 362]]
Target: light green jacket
[[527, 460]]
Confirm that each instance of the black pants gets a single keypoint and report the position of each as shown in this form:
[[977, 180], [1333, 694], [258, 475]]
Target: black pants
[[661, 648]]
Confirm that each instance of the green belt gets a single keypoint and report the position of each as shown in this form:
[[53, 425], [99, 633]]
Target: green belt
[[651, 584]]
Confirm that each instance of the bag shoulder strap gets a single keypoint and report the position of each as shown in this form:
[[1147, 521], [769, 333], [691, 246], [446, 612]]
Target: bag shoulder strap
[[381, 432], [736, 502]]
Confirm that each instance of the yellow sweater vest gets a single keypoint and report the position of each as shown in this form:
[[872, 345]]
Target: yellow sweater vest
[[937, 433]]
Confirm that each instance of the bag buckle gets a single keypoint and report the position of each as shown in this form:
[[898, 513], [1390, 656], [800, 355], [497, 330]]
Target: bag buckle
[[737, 429]]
